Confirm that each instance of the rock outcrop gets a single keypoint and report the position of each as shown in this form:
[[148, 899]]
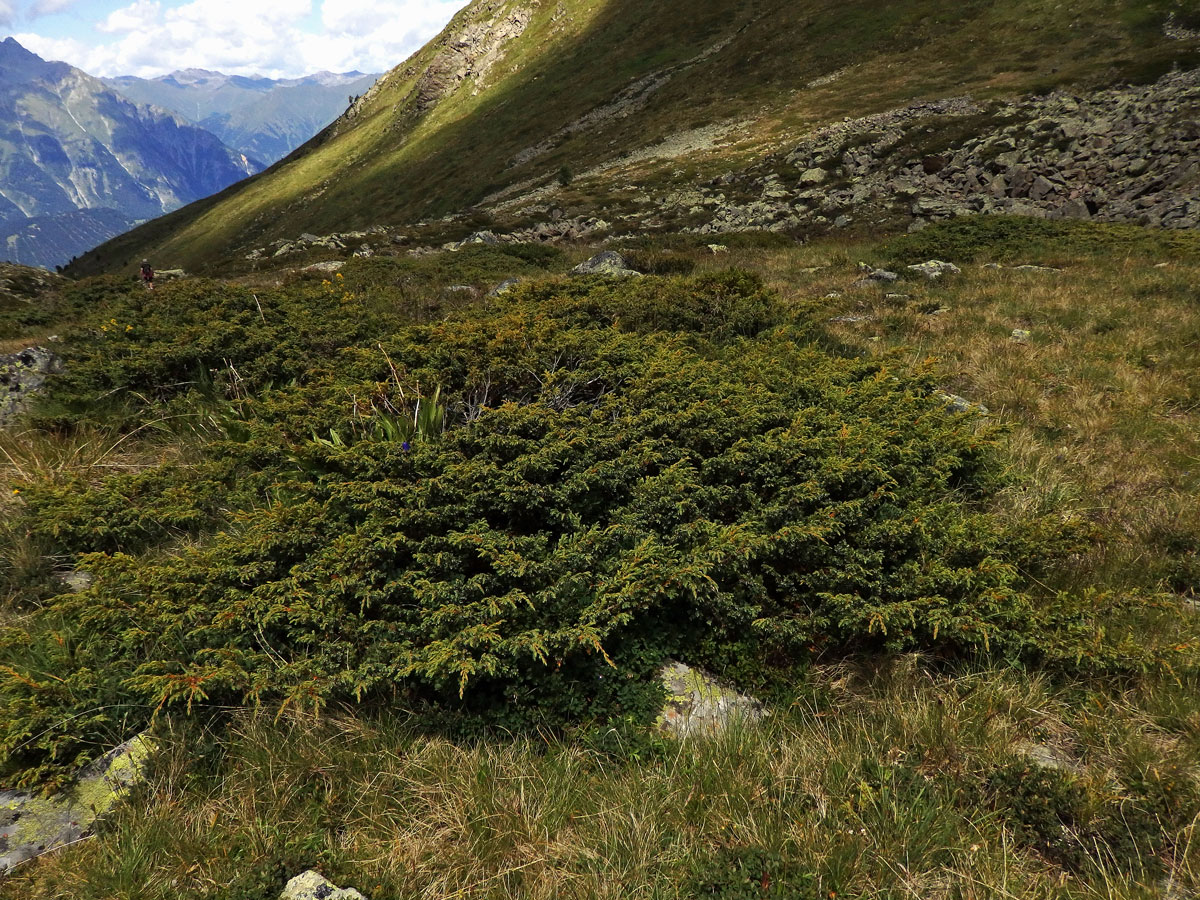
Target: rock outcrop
[[609, 263], [1127, 154], [699, 704], [31, 825], [22, 375], [469, 53], [311, 885]]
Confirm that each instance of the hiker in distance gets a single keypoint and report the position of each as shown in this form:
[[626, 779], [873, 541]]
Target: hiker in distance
[[147, 275]]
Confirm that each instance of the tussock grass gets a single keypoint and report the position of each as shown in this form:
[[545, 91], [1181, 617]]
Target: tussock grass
[[85, 456], [872, 782], [1102, 399]]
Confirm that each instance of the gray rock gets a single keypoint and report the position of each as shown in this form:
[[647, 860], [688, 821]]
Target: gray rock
[[812, 177], [480, 237], [957, 404], [504, 287], [699, 704], [1137, 167], [1047, 757], [1020, 336], [331, 265], [77, 580], [609, 263], [935, 269], [31, 825], [883, 276], [22, 376], [311, 885], [1075, 209], [1041, 188]]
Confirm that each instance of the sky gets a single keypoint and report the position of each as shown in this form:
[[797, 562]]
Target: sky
[[275, 38]]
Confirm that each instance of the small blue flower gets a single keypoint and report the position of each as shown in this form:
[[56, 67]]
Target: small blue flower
[[405, 446]]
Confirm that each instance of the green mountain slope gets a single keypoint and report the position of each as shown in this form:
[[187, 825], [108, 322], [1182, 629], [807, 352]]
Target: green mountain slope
[[514, 95]]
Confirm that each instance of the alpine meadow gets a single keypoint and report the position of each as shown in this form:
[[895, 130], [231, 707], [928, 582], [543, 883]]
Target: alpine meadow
[[649, 450]]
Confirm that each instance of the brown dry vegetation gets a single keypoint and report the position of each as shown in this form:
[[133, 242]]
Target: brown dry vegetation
[[864, 780], [1103, 398]]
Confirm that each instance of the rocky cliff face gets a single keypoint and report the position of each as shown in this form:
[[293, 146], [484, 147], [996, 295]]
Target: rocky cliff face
[[70, 144]]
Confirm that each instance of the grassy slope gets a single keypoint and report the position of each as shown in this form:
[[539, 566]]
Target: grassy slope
[[388, 166], [880, 780]]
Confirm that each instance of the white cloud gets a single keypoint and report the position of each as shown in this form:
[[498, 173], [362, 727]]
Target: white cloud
[[52, 49], [8, 11], [242, 37], [375, 35], [130, 18]]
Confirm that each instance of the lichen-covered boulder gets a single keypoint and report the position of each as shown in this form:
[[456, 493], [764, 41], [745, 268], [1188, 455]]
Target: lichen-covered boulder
[[872, 276], [504, 287], [312, 886], [935, 269], [957, 404], [697, 703], [608, 263], [329, 265], [21, 376], [31, 825]]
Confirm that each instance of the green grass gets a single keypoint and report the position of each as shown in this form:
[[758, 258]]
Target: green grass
[[1021, 241]]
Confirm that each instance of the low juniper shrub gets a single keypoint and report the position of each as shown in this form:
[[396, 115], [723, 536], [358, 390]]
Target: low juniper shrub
[[620, 474]]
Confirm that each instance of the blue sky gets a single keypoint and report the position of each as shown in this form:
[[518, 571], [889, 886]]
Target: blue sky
[[278, 38]]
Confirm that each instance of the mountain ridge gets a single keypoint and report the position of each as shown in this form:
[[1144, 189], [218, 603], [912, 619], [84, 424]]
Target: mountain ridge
[[264, 118], [514, 97], [70, 146]]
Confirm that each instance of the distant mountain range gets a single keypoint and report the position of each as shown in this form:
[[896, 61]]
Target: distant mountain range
[[80, 163], [264, 118], [83, 159]]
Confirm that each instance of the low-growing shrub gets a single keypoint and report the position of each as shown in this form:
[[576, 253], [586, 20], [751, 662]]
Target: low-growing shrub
[[1017, 239], [146, 348], [662, 262], [621, 473], [1054, 812], [751, 873]]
